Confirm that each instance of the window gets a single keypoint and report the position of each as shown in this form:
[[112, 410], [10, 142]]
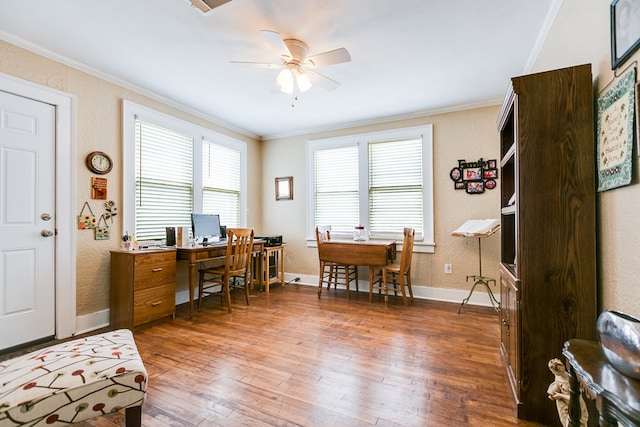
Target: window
[[395, 186], [221, 182], [176, 168], [164, 194], [336, 187], [382, 180]]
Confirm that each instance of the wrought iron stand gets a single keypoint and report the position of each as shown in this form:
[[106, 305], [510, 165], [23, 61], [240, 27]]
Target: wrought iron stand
[[481, 280]]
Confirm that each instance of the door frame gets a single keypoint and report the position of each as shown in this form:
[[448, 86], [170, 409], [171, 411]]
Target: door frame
[[65, 176]]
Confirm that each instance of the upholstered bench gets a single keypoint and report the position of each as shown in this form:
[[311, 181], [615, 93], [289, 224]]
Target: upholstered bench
[[74, 381]]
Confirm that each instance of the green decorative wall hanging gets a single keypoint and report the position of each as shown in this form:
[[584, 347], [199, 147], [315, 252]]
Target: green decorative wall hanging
[[616, 116]]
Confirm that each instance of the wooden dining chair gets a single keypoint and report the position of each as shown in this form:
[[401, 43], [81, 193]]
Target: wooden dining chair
[[331, 271], [395, 276], [237, 265]]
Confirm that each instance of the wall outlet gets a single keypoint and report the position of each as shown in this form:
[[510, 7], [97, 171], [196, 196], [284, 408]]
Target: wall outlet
[[447, 268]]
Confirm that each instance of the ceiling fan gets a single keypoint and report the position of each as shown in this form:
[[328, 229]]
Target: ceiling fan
[[206, 6], [297, 74]]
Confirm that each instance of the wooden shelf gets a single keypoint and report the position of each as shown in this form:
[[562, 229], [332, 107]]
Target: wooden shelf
[[509, 156], [509, 210]]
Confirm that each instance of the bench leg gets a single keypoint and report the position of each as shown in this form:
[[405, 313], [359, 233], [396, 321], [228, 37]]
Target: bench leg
[[133, 416]]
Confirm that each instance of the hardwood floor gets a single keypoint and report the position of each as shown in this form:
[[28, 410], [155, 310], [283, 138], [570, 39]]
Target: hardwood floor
[[291, 359]]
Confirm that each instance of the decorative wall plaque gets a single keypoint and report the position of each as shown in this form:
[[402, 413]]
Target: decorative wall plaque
[[98, 188], [616, 118]]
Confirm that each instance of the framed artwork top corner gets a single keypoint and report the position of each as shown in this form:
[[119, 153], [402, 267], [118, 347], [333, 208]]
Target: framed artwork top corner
[[625, 30]]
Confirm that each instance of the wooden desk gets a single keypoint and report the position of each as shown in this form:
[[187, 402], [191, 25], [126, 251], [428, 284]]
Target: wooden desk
[[617, 396], [352, 252], [215, 251]]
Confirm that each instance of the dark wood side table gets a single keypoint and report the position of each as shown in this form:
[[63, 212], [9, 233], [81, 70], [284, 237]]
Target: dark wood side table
[[617, 396]]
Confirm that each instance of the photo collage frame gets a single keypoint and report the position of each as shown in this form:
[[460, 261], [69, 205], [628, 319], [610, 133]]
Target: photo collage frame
[[475, 177]]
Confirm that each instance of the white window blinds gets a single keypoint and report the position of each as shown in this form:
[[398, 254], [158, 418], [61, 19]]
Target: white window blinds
[[395, 186], [163, 179], [381, 180], [336, 188], [221, 182]]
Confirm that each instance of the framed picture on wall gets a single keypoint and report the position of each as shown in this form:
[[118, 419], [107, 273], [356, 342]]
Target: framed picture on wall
[[475, 187], [625, 30], [284, 188]]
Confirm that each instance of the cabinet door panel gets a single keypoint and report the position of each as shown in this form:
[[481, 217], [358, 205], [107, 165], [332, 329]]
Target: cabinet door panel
[[510, 327]]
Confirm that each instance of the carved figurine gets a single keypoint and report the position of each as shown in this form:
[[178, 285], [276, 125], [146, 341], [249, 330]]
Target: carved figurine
[[559, 390]]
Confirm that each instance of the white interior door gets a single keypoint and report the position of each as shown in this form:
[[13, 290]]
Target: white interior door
[[27, 220]]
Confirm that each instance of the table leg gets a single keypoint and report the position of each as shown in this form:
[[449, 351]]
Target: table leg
[[574, 399], [192, 285], [265, 270], [282, 267]]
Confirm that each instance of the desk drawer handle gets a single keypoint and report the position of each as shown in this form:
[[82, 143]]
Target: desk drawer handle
[[153, 304], [157, 270]]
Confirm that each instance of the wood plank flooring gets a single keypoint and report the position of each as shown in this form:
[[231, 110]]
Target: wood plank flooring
[[290, 359]]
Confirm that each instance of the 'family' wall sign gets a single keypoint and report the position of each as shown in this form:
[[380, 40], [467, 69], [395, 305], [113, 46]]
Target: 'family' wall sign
[[475, 177]]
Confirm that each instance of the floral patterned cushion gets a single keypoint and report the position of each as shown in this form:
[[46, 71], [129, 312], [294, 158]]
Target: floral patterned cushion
[[72, 381]]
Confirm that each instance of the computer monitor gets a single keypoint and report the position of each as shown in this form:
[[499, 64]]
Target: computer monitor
[[205, 227]]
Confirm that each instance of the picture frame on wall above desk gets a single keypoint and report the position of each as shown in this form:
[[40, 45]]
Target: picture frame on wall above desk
[[625, 30]]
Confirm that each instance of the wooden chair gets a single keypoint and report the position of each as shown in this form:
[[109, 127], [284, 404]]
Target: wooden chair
[[237, 265], [394, 277], [332, 272]]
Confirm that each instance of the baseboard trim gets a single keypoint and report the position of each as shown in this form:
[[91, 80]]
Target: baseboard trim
[[100, 319], [479, 298], [92, 321]]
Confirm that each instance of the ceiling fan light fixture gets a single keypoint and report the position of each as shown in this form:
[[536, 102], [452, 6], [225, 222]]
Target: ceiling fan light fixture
[[285, 81], [303, 82], [295, 77]]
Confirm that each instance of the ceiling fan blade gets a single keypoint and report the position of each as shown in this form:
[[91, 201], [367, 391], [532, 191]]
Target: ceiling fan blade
[[276, 41], [205, 6], [336, 56], [321, 80], [257, 64]]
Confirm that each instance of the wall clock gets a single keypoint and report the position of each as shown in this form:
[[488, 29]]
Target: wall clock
[[99, 162]]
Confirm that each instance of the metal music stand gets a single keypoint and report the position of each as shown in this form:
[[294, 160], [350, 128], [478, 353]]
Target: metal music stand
[[466, 230]]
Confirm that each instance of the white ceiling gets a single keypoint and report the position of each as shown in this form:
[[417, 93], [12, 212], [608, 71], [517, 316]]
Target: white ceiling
[[408, 57]]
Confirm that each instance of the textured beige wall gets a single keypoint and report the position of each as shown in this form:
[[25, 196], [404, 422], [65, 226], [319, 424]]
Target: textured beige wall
[[98, 126], [468, 135], [580, 34]]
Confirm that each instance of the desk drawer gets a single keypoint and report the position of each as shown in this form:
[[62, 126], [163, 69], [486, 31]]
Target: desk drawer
[[154, 269], [209, 254], [154, 303]]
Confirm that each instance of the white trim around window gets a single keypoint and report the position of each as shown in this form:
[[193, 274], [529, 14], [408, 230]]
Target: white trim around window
[[198, 134], [425, 243]]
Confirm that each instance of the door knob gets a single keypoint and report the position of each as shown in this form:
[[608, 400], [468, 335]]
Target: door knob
[[46, 217], [46, 233]]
